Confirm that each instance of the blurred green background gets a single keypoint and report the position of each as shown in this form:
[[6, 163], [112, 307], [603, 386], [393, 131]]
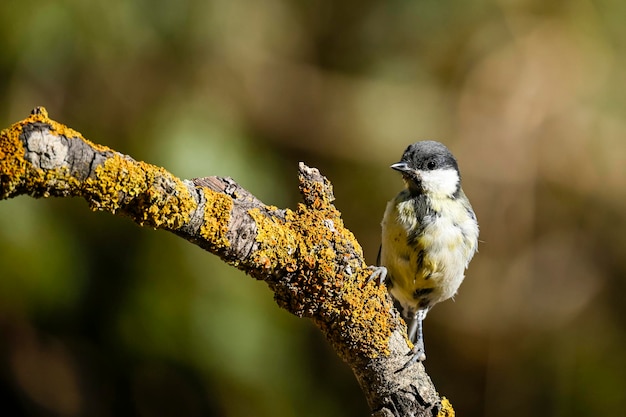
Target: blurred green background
[[99, 317]]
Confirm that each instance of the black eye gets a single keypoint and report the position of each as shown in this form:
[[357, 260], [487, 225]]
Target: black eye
[[431, 165]]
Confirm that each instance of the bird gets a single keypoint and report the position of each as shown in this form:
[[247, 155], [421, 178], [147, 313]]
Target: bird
[[429, 236]]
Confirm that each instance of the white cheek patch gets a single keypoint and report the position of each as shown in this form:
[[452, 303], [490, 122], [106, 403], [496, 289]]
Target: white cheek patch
[[440, 181]]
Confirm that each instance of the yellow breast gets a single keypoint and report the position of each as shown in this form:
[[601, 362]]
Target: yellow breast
[[426, 255]]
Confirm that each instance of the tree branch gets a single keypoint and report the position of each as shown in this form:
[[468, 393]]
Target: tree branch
[[312, 263]]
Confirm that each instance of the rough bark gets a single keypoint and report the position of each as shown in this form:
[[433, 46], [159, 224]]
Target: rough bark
[[312, 263]]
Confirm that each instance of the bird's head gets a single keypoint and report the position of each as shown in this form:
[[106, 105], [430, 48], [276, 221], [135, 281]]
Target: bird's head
[[428, 167]]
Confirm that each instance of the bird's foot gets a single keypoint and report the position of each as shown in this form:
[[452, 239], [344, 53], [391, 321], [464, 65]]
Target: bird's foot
[[418, 354], [378, 272], [416, 335]]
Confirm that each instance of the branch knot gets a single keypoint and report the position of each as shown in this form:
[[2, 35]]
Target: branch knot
[[316, 190]]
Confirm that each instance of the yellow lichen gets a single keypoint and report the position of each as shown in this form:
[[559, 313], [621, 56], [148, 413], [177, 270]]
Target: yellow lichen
[[16, 172], [172, 212], [117, 181], [308, 244], [40, 114], [446, 408], [216, 218], [279, 242], [350, 315], [121, 182], [12, 163]]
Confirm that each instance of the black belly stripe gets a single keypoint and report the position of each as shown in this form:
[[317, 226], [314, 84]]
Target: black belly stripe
[[420, 259], [424, 303], [422, 292]]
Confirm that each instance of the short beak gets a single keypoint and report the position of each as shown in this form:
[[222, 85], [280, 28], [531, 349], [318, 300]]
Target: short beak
[[402, 167]]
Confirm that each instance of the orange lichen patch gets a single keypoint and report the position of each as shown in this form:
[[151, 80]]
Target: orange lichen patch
[[368, 322], [352, 316], [323, 197], [446, 408], [352, 312], [148, 193], [216, 218]]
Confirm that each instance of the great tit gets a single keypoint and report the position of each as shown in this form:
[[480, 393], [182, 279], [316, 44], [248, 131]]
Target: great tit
[[429, 236]]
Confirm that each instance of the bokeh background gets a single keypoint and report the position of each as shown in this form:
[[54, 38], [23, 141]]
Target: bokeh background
[[99, 317]]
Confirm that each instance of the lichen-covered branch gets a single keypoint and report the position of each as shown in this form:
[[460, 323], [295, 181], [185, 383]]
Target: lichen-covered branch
[[309, 259]]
